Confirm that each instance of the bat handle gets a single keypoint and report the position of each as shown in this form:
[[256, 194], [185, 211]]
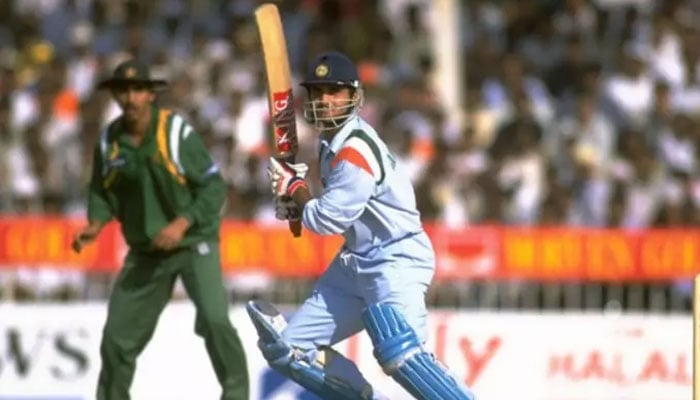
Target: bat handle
[[294, 224], [295, 227]]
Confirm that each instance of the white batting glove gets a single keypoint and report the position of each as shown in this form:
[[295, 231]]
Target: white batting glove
[[286, 209], [285, 177]]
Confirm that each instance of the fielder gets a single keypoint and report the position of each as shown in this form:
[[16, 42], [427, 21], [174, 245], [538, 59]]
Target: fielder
[[152, 173], [379, 278]]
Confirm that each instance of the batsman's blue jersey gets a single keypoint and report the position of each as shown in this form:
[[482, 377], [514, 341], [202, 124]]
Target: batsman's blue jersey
[[367, 198], [387, 263]]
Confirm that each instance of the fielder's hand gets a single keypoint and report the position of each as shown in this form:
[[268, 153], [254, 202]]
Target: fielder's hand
[[286, 209], [85, 236], [169, 237], [285, 177]]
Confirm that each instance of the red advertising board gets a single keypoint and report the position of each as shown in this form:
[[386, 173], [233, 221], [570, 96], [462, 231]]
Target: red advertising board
[[488, 252]]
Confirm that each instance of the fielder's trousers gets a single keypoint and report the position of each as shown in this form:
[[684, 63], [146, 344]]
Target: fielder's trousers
[[142, 290]]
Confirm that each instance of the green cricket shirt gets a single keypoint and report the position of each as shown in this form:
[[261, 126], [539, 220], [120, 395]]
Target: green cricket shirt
[[145, 187]]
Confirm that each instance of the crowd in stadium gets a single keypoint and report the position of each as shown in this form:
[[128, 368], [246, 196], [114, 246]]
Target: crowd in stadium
[[575, 112]]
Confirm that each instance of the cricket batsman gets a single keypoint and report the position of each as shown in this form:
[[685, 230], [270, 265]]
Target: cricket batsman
[[380, 276]]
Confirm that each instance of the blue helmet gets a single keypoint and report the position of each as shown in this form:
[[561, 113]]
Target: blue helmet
[[332, 68]]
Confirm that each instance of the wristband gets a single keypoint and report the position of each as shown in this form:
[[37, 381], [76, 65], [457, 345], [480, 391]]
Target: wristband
[[294, 184]]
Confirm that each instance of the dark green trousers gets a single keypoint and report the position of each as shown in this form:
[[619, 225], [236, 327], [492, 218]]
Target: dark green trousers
[[142, 289]]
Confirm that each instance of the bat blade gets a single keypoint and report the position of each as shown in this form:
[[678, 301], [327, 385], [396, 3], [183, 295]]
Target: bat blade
[[279, 81], [279, 87]]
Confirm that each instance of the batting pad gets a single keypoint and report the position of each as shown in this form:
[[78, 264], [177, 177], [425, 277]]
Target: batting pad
[[399, 352], [270, 323]]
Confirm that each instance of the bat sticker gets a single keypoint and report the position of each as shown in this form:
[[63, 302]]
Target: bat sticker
[[283, 121]]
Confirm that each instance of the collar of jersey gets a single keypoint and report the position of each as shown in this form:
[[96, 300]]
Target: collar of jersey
[[340, 137]]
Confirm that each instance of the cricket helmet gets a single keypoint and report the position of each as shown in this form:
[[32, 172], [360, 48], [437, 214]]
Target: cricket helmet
[[332, 69]]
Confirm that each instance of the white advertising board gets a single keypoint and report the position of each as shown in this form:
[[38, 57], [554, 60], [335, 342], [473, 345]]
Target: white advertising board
[[52, 352]]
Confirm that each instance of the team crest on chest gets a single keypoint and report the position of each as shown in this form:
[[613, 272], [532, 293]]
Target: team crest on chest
[[117, 162], [116, 159]]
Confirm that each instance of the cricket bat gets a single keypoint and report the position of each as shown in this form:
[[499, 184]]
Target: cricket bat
[[279, 88]]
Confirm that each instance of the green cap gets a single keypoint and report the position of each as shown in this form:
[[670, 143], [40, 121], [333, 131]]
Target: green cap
[[131, 71]]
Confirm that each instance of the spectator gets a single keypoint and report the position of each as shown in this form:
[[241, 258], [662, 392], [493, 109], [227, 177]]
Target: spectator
[[575, 112]]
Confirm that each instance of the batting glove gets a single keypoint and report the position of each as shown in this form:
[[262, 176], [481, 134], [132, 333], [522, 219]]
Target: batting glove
[[286, 209], [285, 178]]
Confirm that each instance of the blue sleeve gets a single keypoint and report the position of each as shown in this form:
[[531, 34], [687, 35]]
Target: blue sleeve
[[348, 189]]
